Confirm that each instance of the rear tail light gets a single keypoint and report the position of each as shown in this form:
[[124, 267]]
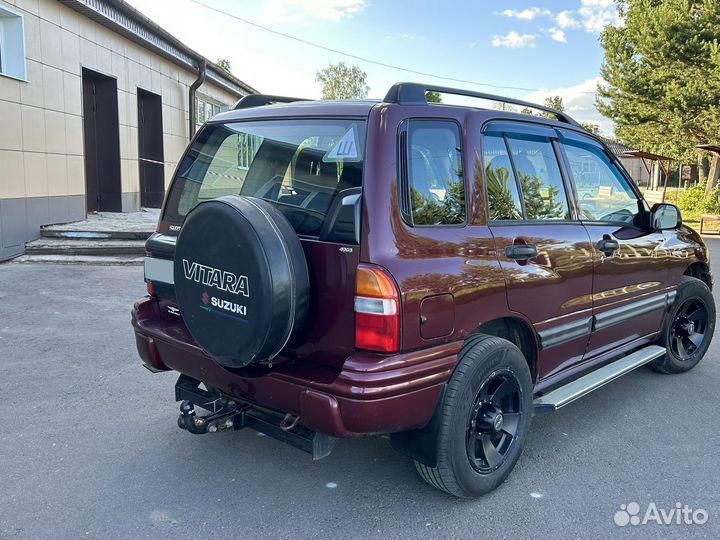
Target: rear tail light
[[377, 310], [150, 288]]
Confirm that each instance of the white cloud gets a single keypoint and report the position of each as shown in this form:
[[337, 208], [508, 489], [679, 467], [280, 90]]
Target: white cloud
[[514, 40], [564, 19], [597, 14], [592, 15], [405, 36], [329, 10], [579, 101], [556, 35], [527, 14]]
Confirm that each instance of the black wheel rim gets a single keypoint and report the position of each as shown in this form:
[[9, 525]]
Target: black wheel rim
[[688, 329], [494, 421]]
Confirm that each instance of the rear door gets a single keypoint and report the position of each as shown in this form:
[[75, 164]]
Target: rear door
[[544, 250], [311, 169], [630, 289]]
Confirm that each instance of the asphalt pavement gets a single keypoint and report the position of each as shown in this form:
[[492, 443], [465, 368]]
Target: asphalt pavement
[[89, 446]]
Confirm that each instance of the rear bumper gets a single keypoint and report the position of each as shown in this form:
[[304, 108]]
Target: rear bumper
[[369, 394]]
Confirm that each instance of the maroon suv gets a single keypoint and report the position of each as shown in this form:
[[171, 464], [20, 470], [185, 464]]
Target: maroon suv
[[327, 270]]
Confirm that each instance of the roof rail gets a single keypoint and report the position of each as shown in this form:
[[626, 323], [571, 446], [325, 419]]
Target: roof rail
[[415, 94], [258, 100]]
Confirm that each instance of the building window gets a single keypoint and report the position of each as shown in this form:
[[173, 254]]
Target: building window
[[207, 108], [248, 146], [12, 44]]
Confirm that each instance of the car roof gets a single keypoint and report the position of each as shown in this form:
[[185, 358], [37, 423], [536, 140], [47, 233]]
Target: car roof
[[362, 108], [349, 107]]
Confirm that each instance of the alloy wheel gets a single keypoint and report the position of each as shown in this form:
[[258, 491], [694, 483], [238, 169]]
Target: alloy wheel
[[493, 423], [688, 329]]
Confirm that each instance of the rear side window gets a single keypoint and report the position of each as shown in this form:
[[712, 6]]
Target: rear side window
[[434, 176], [503, 197], [298, 165], [538, 172]]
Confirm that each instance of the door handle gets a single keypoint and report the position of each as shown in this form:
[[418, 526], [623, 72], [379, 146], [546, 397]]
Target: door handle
[[608, 245], [521, 252]]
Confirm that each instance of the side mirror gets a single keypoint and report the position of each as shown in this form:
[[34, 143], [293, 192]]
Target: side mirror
[[665, 216]]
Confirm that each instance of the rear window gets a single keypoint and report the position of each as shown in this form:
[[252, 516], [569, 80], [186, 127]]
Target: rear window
[[298, 165]]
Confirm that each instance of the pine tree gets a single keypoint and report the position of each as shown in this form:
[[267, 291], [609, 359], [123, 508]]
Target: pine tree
[[662, 68]]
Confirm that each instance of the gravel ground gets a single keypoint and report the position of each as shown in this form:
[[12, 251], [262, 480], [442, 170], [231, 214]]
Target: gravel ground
[[90, 447]]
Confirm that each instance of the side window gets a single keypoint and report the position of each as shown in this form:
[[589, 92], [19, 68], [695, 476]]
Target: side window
[[502, 189], [603, 192], [434, 171], [12, 44], [539, 175]]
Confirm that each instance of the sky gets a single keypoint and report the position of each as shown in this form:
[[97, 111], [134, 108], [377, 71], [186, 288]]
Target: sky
[[522, 49]]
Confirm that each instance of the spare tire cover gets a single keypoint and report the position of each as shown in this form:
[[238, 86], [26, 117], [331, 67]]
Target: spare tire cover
[[241, 279]]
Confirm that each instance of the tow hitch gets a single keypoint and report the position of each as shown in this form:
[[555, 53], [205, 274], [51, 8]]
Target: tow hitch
[[227, 414]]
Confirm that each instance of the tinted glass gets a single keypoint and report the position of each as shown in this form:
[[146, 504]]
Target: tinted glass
[[539, 175], [437, 190], [503, 197], [298, 165], [603, 192]]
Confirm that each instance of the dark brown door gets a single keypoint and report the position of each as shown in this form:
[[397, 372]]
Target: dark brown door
[[150, 141], [630, 294], [102, 142], [544, 251]]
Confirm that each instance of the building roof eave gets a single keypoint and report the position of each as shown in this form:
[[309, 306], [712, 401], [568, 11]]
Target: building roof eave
[[122, 18]]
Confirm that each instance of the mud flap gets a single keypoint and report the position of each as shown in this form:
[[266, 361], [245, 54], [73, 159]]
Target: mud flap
[[421, 444]]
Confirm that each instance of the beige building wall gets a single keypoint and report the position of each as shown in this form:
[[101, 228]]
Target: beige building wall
[[637, 170], [42, 176]]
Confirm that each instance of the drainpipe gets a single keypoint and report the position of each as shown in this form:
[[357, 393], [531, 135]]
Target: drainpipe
[[202, 67]]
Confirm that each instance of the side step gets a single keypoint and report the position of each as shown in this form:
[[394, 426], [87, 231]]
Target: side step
[[595, 379]]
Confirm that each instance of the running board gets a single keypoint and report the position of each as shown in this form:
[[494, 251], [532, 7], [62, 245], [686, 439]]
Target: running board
[[578, 388]]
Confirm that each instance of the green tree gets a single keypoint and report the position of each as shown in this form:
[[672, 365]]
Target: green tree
[[224, 64], [554, 102], [433, 97], [427, 210], [502, 205], [662, 69], [592, 128], [537, 204], [340, 81]]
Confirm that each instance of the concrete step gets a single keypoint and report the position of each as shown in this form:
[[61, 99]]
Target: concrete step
[[107, 226], [95, 235], [101, 260], [85, 247]]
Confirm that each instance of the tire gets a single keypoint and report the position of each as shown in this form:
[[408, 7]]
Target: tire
[[241, 279], [487, 367], [688, 329]]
